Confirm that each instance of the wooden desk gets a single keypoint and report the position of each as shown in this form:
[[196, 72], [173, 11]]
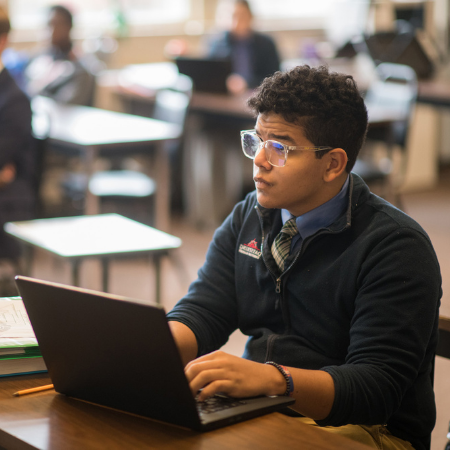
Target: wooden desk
[[50, 421], [92, 130], [434, 92], [141, 81], [103, 236], [236, 106]]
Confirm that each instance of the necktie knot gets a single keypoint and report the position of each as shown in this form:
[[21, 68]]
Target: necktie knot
[[282, 243], [290, 227]]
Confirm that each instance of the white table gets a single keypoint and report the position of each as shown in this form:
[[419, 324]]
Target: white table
[[92, 130], [103, 236]]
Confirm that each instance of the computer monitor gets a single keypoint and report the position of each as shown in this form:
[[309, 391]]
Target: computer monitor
[[208, 74]]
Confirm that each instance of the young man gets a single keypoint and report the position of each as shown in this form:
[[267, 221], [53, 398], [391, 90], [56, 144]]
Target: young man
[[347, 323]]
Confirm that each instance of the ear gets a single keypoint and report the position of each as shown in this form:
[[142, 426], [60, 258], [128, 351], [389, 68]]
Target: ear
[[337, 162], [3, 42]]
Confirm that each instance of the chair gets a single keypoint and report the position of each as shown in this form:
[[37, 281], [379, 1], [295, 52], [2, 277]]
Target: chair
[[183, 84], [170, 106], [443, 350], [144, 106], [392, 96]]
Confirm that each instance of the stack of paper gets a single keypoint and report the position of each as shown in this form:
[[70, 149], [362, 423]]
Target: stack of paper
[[19, 351]]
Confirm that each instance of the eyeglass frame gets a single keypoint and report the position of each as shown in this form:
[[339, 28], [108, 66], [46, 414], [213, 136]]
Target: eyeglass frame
[[286, 148]]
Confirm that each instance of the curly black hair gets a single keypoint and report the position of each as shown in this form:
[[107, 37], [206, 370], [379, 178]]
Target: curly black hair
[[327, 105]]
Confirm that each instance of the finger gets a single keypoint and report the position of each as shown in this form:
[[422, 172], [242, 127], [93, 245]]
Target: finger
[[200, 366], [210, 361], [205, 378], [222, 386], [204, 358]]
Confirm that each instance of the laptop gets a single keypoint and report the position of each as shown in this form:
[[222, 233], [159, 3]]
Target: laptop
[[120, 353], [208, 74]]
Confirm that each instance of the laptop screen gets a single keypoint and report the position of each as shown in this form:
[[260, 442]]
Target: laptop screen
[[208, 75]]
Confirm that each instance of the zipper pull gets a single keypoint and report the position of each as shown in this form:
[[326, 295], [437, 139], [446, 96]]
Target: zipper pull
[[278, 287]]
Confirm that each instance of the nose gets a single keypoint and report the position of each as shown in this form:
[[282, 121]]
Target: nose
[[261, 159]]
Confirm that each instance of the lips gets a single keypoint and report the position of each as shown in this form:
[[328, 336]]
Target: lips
[[260, 183]]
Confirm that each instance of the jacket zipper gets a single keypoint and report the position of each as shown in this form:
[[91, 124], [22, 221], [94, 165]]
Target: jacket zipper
[[304, 245]]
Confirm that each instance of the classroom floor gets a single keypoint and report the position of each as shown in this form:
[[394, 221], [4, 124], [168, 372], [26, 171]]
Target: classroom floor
[[135, 278]]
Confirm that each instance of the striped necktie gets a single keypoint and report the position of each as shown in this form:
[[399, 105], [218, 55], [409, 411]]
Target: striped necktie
[[282, 244]]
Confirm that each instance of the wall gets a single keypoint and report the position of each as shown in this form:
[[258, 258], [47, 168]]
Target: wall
[[147, 49], [135, 50]]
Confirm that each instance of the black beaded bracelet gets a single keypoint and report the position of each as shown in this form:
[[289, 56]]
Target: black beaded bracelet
[[287, 376]]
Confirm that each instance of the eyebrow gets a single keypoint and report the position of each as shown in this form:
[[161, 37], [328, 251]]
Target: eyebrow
[[281, 137]]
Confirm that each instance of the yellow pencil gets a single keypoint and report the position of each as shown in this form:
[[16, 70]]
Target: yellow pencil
[[36, 389]]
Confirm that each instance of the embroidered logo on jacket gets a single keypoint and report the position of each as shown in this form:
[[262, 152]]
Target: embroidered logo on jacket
[[250, 249]]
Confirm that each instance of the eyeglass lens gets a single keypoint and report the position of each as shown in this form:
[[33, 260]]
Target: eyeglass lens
[[275, 152]]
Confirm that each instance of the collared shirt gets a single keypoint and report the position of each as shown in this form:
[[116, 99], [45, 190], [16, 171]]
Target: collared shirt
[[320, 217], [241, 57]]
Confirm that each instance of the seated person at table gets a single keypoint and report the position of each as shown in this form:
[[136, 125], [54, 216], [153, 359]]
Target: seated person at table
[[338, 290], [57, 72], [17, 152], [254, 56]]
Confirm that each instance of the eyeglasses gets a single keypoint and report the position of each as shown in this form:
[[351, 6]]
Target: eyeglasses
[[276, 152]]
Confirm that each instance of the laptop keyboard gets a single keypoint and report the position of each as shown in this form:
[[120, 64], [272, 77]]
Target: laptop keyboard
[[216, 403]]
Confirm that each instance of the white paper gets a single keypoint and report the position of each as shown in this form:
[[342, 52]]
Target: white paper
[[14, 323]]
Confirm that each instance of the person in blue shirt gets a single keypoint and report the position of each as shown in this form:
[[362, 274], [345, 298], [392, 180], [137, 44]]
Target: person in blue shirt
[[253, 55], [337, 290]]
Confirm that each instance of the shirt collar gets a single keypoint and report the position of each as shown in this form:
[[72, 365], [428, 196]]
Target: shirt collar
[[322, 216]]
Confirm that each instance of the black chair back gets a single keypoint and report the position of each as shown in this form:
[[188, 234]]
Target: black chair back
[[443, 348]]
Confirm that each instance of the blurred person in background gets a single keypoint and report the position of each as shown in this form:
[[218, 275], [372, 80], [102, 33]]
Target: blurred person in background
[[17, 155], [254, 55], [57, 71]]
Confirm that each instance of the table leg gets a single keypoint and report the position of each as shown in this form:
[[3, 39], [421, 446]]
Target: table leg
[[105, 274], [28, 255], [92, 202], [162, 177], [157, 263], [75, 272]]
